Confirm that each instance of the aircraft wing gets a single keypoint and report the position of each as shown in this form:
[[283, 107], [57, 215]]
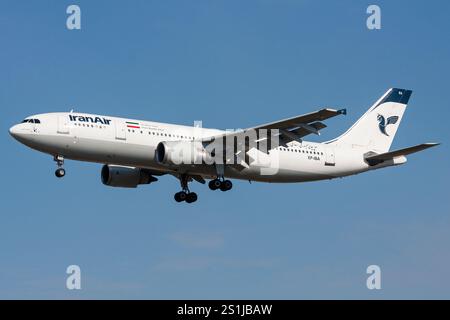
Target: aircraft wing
[[290, 129], [293, 128], [302, 120]]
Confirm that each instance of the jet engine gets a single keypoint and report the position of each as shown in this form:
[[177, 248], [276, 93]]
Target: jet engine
[[182, 152], [125, 177]]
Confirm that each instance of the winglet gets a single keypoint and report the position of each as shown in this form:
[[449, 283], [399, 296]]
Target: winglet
[[342, 111]]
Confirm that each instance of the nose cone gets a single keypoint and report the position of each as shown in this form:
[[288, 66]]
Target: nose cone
[[13, 131], [20, 133]]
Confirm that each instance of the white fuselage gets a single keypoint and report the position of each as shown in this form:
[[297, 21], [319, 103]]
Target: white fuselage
[[110, 140]]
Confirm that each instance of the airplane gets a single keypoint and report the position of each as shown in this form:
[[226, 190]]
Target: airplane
[[135, 152]]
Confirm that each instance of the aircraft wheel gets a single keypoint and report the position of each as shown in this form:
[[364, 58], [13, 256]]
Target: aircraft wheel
[[191, 197], [60, 172], [214, 184], [180, 196], [226, 185]]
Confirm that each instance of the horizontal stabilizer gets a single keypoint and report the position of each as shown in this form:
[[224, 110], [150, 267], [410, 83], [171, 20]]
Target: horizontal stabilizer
[[374, 159]]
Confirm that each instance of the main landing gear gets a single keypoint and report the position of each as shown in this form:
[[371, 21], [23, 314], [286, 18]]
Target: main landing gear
[[185, 194], [60, 172], [222, 184]]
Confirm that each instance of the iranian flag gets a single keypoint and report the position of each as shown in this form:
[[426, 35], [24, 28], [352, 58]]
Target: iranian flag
[[134, 125]]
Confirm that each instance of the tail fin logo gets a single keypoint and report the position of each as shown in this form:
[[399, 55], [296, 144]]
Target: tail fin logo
[[383, 123]]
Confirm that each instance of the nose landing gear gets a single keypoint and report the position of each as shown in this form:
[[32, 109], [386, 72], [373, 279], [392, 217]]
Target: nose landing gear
[[60, 172]]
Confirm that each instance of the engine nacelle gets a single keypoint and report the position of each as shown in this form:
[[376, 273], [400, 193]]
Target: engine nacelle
[[125, 177], [182, 152]]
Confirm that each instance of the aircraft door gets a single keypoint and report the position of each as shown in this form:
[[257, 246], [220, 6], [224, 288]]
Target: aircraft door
[[121, 130], [63, 125], [329, 156]]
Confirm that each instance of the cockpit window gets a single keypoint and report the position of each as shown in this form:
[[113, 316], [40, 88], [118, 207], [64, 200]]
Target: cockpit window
[[31, 121]]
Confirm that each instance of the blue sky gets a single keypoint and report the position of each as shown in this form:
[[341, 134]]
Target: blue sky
[[230, 64]]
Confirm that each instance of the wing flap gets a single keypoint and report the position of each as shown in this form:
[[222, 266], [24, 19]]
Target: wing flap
[[304, 130]]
